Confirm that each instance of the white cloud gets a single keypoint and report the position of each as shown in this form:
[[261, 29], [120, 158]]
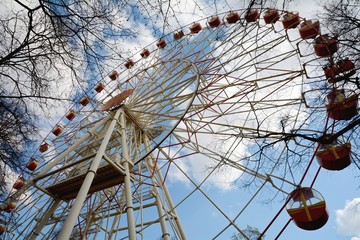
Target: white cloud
[[9, 6], [11, 177], [348, 219]]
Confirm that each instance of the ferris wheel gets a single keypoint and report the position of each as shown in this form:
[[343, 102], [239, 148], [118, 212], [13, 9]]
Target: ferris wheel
[[230, 97]]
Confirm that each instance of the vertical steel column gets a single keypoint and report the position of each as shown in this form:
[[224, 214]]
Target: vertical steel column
[[160, 208], [165, 232], [171, 204], [69, 223], [117, 217], [127, 180], [167, 194], [35, 233]]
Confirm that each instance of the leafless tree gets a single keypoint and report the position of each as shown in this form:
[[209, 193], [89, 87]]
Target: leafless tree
[[16, 133], [42, 45], [252, 233], [341, 18], [46, 44]]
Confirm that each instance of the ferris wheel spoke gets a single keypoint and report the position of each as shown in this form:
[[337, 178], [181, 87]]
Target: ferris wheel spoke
[[212, 102]]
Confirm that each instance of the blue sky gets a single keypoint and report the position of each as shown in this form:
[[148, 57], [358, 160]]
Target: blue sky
[[340, 189], [200, 217], [336, 187]]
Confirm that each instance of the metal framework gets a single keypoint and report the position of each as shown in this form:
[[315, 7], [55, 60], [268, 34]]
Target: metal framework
[[210, 102]]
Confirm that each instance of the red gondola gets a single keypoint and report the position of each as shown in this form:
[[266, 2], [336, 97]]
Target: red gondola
[[232, 17], [345, 65], [309, 29], [214, 21], [195, 27], [342, 70], [334, 156], [114, 75], [252, 16], [346, 69], [19, 183], [99, 87], [307, 208], [32, 164], [331, 71], [179, 34], [84, 101], [271, 16], [291, 20], [161, 43], [71, 115], [44, 147], [145, 53], [325, 46], [2, 229], [10, 207], [129, 64], [57, 130], [340, 106]]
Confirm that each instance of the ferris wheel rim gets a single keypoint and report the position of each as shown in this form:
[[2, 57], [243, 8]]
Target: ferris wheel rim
[[182, 117]]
